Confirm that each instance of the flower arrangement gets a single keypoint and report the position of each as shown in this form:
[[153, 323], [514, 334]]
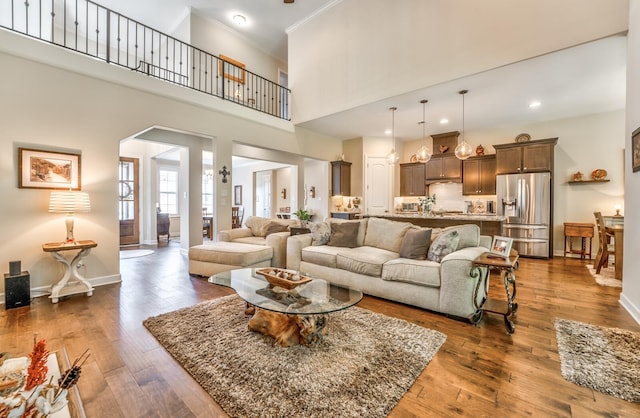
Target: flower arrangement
[[426, 202], [303, 215], [24, 390]]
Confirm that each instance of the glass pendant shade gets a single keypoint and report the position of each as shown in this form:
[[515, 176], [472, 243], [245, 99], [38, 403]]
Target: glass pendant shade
[[424, 153], [393, 156], [463, 150]]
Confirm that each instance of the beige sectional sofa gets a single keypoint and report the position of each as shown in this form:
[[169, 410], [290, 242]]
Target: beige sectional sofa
[[260, 231], [374, 265]]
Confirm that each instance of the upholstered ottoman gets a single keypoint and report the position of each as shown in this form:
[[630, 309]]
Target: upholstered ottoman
[[210, 259]]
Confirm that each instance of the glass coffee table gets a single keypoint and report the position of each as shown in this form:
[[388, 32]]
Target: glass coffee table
[[296, 316]]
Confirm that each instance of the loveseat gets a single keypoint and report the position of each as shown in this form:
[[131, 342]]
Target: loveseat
[[263, 231], [386, 260]]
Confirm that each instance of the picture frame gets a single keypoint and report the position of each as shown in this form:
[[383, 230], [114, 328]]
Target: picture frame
[[237, 195], [231, 69], [42, 169], [501, 246], [635, 150]]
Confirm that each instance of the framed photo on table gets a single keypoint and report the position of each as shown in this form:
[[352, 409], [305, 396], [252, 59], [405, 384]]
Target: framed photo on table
[[40, 169], [501, 246]]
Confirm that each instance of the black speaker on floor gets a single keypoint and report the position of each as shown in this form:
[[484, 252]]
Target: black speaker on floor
[[17, 290]]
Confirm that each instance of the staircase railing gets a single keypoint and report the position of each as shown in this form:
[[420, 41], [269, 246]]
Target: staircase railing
[[89, 28]]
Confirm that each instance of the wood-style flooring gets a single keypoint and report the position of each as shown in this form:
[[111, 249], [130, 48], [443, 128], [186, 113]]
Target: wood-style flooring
[[479, 371]]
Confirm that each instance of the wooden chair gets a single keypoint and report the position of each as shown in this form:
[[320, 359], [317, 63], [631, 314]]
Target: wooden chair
[[235, 217], [606, 248], [162, 226]]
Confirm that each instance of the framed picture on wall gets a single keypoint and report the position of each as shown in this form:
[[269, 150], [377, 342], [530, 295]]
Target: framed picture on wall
[[635, 150], [231, 69], [237, 195], [40, 169]]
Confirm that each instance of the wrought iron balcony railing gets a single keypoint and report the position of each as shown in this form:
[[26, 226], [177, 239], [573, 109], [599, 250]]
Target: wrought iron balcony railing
[[89, 28]]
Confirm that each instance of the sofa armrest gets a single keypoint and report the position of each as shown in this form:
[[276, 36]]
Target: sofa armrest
[[457, 286], [485, 241], [295, 244], [233, 234], [278, 241]]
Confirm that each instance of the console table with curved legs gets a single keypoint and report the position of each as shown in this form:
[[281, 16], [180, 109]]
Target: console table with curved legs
[[507, 268], [79, 284]]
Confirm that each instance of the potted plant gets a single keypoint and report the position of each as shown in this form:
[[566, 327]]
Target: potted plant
[[304, 216]]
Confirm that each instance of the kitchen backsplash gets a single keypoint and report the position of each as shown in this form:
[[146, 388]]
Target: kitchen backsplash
[[448, 197]]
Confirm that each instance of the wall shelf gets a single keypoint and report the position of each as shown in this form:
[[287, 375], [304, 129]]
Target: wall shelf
[[588, 181]]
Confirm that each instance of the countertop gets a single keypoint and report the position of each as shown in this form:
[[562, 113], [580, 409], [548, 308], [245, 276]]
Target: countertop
[[457, 217]]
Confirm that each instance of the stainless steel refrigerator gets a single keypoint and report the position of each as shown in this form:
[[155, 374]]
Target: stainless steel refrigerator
[[525, 201]]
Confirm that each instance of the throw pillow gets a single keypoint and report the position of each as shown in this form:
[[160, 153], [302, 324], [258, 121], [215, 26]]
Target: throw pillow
[[446, 243], [415, 244], [320, 233], [273, 227], [344, 235]]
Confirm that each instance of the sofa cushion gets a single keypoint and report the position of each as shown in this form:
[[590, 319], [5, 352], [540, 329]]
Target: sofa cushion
[[362, 227], [415, 243], [385, 234], [258, 225], [251, 240], [230, 253], [420, 272], [343, 235], [319, 233], [444, 244], [273, 227], [364, 260], [322, 255]]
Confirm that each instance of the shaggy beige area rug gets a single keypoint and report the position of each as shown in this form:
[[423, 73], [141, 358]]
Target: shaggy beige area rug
[[604, 359], [365, 364], [606, 276]]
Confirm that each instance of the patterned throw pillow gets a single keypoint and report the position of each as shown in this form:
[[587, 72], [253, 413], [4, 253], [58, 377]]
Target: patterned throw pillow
[[415, 244], [444, 244], [320, 233]]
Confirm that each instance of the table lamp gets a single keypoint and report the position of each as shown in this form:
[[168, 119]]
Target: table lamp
[[69, 202], [617, 208]]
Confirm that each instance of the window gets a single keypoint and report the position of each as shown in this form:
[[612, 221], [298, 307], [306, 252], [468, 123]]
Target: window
[[168, 191], [207, 193]]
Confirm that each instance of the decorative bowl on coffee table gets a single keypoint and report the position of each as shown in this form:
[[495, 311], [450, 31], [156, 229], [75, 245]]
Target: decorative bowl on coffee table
[[286, 279]]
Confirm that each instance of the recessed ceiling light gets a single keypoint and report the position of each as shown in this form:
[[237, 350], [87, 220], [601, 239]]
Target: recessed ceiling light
[[387, 132], [534, 104], [444, 121], [239, 20]]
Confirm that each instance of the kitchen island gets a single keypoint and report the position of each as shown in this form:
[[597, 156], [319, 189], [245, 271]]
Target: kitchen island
[[490, 224]]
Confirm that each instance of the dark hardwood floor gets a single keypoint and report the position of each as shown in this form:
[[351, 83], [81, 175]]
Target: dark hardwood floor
[[479, 371]]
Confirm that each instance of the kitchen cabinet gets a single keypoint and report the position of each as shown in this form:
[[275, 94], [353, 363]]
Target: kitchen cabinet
[[446, 168], [525, 157], [479, 175], [340, 178], [412, 179]]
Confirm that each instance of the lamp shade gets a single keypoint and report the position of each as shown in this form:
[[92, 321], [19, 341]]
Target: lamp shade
[[69, 202]]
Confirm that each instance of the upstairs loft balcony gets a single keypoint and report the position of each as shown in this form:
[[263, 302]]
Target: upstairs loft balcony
[[91, 29]]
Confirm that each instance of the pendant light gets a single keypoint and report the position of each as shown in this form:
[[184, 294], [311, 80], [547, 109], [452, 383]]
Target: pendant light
[[393, 156], [463, 150], [424, 153]]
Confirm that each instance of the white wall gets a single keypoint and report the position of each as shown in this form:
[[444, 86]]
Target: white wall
[[316, 174], [630, 297], [341, 58], [47, 107]]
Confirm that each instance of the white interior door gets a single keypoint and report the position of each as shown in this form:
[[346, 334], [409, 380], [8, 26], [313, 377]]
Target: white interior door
[[378, 186], [262, 202]]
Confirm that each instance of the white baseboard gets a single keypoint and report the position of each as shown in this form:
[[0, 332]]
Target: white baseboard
[[629, 307], [95, 282]]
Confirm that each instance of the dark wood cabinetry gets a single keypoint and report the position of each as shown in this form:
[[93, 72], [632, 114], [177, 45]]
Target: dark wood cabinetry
[[412, 179], [447, 168], [526, 157], [479, 175], [340, 178], [444, 166]]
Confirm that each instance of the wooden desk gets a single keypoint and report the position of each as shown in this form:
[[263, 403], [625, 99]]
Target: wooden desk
[[582, 230], [618, 237], [80, 284], [507, 268]]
